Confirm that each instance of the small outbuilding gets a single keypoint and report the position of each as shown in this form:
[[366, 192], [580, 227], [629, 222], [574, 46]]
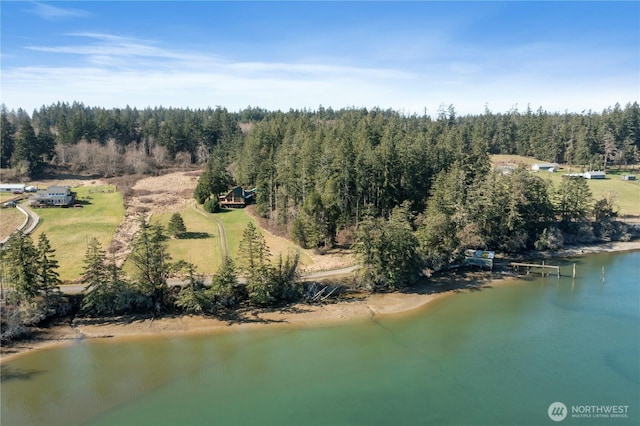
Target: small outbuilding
[[549, 167], [12, 188], [481, 258], [594, 175]]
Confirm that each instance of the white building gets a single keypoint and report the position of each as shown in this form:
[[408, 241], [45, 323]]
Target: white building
[[54, 196], [549, 167], [594, 175], [15, 188]]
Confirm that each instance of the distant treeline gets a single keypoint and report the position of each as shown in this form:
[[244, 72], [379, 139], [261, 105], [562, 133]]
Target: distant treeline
[[50, 133]]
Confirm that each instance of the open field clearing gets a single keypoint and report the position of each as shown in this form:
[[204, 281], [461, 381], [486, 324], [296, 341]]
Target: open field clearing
[[514, 160], [69, 229], [10, 219], [105, 217], [200, 246], [5, 196], [159, 197], [235, 221], [626, 193]]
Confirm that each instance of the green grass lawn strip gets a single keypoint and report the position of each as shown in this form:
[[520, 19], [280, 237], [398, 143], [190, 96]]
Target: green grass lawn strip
[[201, 246], [69, 229]]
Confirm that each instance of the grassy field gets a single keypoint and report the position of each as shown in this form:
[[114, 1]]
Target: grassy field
[[201, 246], [626, 193], [513, 159], [70, 229], [235, 221]]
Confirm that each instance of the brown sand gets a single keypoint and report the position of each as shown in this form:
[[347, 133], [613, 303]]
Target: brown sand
[[298, 315]]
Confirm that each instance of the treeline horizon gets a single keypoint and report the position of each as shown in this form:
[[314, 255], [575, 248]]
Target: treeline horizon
[[552, 136]]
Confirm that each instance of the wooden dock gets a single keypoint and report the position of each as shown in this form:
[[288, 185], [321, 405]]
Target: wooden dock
[[542, 266]]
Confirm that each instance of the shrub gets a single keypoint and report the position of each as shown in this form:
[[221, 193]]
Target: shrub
[[211, 205], [550, 239]]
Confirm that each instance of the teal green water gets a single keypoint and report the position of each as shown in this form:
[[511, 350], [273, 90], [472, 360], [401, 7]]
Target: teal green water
[[496, 356]]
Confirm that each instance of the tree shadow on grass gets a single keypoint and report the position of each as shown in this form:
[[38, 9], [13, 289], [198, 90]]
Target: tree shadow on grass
[[194, 236]]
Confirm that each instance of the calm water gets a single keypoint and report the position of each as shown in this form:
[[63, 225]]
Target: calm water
[[496, 356]]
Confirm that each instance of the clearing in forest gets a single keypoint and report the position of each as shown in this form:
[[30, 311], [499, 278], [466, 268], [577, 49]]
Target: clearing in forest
[[626, 193]]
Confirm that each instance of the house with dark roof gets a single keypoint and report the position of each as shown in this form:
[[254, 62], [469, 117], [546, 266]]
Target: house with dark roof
[[237, 197]]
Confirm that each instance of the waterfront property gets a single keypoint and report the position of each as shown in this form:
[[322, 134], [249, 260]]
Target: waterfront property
[[481, 258], [506, 342]]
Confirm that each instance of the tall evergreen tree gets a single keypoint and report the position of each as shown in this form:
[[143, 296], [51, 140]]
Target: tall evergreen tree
[[388, 251], [27, 150], [224, 285], [48, 277], [152, 262], [254, 263], [20, 262], [176, 225], [7, 132], [572, 199], [95, 278]]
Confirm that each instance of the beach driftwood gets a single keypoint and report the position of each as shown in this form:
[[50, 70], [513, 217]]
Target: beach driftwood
[[317, 292]]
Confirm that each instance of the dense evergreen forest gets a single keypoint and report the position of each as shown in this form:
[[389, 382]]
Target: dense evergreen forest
[[79, 136]]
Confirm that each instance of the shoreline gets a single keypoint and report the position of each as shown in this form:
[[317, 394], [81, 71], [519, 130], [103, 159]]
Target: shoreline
[[299, 315]]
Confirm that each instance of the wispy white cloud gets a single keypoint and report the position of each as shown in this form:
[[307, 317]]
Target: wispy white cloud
[[114, 71], [107, 45], [49, 12]]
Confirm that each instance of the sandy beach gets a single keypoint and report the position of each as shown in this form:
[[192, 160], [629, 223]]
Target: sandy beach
[[300, 315]]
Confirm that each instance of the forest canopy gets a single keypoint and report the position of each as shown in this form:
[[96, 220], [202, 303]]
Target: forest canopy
[[320, 174]]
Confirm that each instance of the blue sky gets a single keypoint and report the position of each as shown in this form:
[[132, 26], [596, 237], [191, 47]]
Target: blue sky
[[408, 56]]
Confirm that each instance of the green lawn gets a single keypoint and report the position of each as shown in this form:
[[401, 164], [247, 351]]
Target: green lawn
[[235, 221], [201, 246], [69, 229], [627, 193]]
